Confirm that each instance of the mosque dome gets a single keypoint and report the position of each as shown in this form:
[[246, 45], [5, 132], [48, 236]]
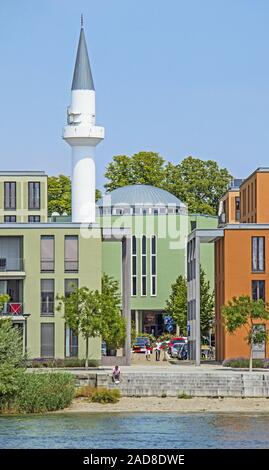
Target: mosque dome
[[140, 199]]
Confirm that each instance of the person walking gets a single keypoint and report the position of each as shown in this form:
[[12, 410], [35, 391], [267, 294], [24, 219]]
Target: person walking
[[158, 350], [147, 352]]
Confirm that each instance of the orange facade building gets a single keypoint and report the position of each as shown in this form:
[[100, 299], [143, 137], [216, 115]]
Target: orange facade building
[[241, 261]]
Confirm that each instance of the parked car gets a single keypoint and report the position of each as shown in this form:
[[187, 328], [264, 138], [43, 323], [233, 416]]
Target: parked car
[[140, 344], [178, 340], [182, 353], [174, 349]]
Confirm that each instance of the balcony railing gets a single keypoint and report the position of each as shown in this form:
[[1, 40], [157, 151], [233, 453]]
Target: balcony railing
[[12, 308], [11, 264], [47, 308], [47, 265], [71, 266]]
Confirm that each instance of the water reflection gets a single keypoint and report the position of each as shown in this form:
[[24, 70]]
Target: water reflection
[[136, 430]]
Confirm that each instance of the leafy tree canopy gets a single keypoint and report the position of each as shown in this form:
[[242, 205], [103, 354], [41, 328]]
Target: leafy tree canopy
[[176, 305], [243, 312], [11, 347], [207, 304], [198, 183], [59, 194]]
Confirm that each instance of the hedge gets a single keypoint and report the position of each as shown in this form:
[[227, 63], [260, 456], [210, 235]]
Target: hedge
[[243, 363], [39, 393]]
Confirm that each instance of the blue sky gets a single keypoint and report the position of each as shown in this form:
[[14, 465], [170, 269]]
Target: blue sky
[[177, 77]]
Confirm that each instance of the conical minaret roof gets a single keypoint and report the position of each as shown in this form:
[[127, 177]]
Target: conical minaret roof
[[82, 78]]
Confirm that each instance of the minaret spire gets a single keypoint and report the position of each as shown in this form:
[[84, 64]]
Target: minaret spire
[[83, 135], [81, 20]]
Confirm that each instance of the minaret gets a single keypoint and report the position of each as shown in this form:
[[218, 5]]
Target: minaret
[[83, 136]]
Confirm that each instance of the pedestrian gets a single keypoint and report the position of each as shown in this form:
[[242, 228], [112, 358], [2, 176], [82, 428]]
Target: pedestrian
[[158, 349], [147, 352]]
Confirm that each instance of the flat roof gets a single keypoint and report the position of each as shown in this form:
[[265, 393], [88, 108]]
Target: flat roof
[[23, 173]]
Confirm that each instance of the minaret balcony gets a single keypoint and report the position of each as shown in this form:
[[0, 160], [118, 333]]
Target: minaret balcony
[[88, 135]]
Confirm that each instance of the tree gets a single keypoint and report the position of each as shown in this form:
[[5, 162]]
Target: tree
[[176, 305], [198, 183], [59, 194], [141, 168], [82, 314], [113, 324], [207, 304], [244, 312]]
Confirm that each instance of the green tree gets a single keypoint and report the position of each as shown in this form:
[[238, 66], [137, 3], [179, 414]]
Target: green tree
[[243, 312], [140, 168], [82, 310], [176, 305], [59, 194], [113, 327], [198, 183], [207, 304]]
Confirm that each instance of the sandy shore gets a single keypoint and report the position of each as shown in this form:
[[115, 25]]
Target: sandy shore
[[158, 405]]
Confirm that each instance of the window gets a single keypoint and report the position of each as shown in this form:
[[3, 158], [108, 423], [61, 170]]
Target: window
[[193, 225], [237, 208], [153, 265], [47, 253], [258, 255], [47, 297], [34, 218], [10, 218], [47, 340], [69, 286], [134, 265], [258, 290], [33, 195], [71, 343], [144, 266], [10, 195], [259, 349], [71, 253]]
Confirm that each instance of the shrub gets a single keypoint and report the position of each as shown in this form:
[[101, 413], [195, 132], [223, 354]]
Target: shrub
[[85, 391], [184, 396], [10, 378], [54, 363], [11, 348], [39, 393], [243, 363], [105, 395]]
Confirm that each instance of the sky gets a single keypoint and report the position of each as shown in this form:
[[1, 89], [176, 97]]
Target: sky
[[179, 77]]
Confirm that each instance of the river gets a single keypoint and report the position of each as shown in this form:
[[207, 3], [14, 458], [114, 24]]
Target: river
[[135, 430]]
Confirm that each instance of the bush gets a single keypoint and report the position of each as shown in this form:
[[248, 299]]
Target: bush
[[105, 395], [85, 391], [39, 393], [10, 378], [243, 363], [184, 396], [54, 363], [11, 346]]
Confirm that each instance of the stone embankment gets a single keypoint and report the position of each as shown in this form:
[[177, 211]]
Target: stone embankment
[[145, 383]]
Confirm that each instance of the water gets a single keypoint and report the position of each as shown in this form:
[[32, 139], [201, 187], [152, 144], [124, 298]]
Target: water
[[135, 430]]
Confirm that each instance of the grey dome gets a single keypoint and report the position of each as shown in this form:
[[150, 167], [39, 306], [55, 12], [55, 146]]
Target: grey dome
[[140, 195]]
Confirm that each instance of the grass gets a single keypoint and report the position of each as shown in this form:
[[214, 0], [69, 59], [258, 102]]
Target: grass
[[184, 396]]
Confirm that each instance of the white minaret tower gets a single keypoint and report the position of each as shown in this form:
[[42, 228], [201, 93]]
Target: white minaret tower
[[83, 136]]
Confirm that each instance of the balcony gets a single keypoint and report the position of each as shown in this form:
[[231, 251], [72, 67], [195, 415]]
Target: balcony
[[12, 309], [11, 265], [71, 266], [47, 308], [47, 266]]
